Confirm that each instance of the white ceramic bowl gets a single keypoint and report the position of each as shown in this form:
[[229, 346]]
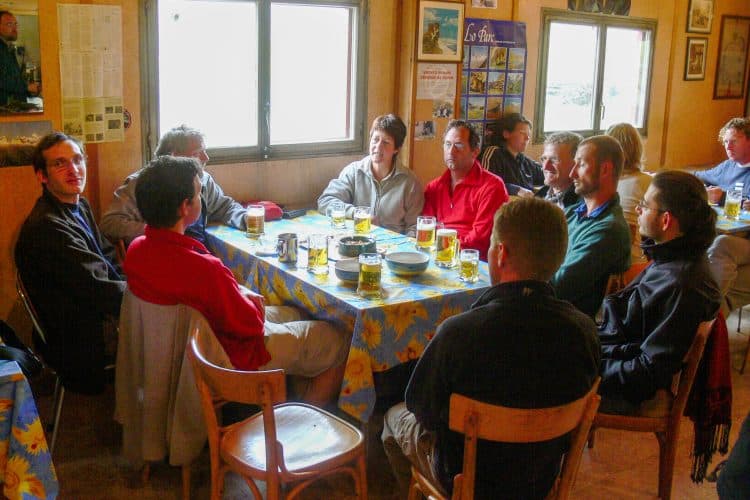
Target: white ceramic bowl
[[407, 263]]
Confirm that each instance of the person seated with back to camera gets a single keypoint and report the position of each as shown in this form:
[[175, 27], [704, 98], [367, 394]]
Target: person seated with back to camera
[[164, 266], [517, 346], [379, 181]]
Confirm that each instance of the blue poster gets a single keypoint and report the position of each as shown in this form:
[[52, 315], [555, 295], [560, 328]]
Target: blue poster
[[493, 71]]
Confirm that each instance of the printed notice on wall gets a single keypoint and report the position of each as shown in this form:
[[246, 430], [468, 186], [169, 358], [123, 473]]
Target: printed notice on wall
[[493, 70], [91, 71]]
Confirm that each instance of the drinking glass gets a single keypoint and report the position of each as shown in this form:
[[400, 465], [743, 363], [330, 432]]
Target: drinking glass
[[425, 232], [362, 218], [255, 219], [337, 213], [317, 254], [447, 246], [370, 270], [469, 265], [732, 204]]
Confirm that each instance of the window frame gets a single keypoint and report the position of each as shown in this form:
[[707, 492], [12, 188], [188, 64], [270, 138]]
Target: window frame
[[264, 151], [602, 21]]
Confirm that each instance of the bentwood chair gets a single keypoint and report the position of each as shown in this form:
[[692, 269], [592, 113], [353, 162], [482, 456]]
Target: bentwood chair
[[478, 420], [59, 393], [662, 415], [287, 445]]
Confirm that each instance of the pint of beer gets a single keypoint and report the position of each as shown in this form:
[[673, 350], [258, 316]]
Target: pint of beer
[[425, 232], [469, 265], [370, 270], [255, 218], [337, 213], [446, 246], [317, 254], [362, 218]]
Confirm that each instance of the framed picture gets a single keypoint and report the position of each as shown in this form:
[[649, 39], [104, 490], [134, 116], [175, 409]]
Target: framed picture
[[440, 29], [731, 65], [695, 58], [700, 15]]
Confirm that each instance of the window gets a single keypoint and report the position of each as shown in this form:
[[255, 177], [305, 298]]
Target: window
[[594, 71], [260, 78]]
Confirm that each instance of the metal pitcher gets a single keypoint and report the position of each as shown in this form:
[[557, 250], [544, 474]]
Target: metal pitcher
[[286, 247]]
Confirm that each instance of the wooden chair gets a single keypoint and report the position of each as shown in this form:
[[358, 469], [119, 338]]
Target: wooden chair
[[59, 393], [617, 282], [285, 443], [666, 426], [477, 420]]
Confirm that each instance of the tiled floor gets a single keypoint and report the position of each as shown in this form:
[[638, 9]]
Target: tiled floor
[[622, 465]]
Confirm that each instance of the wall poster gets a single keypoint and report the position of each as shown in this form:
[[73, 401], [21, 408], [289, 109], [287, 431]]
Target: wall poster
[[493, 71], [91, 71]]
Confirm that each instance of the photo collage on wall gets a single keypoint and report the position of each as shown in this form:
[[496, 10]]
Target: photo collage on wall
[[493, 71]]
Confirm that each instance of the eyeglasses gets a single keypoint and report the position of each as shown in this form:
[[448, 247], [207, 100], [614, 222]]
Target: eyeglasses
[[460, 146], [643, 206], [61, 163], [11, 25]]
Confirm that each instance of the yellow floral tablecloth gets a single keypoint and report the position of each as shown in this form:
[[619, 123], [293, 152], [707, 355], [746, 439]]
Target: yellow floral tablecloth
[[729, 226], [26, 469], [386, 331]]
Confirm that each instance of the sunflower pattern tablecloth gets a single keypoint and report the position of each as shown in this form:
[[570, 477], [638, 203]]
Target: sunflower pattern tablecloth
[[26, 469], [386, 331]]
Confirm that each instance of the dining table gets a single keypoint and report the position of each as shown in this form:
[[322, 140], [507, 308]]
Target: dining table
[[725, 225], [26, 469], [386, 331]]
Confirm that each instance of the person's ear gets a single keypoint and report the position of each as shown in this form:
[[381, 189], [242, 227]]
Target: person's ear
[[668, 220], [42, 176], [184, 208]]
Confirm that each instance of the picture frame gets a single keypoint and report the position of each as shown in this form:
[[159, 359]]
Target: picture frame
[[695, 58], [731, 64], [440, 31], [700, 16]]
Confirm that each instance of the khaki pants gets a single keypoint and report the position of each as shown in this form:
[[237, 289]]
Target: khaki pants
[[407, 443], [302, 346]]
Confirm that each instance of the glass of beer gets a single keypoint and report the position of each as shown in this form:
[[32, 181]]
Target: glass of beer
[[255, 217], [362, 218], [370, 270], [317, 254], [732, 204], [446, 245], [469, 265], [337, 213], [426, 232]]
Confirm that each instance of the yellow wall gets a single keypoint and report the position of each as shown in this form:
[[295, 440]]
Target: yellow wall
[[682, 125]]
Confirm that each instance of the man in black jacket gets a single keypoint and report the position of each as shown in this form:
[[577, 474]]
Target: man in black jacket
[[68, 268], [649, 326], [517, 346]]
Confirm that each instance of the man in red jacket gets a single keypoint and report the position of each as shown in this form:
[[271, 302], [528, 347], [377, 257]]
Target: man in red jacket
[[164, 266]]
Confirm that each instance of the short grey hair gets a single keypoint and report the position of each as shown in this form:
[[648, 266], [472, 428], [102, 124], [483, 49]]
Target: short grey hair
[[177, 140], [570, 138]]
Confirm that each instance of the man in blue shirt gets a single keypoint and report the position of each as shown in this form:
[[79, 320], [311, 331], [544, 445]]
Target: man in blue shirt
[[729, 256]]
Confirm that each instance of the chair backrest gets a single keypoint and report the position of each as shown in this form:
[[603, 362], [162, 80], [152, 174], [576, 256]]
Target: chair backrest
[[617, 282], [218, 385], [30, 310], [478, 420], [689, 369]]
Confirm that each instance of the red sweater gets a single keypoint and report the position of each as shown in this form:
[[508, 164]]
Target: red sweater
[[470, 208], [164, 267]]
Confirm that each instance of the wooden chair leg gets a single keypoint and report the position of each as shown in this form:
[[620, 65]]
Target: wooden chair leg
[[362, 469], [592, 435], [186, 482], [667, 451], [145, 473], [747, 355], [414, 490]]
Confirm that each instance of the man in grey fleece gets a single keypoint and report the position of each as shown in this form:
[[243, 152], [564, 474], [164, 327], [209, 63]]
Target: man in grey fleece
[[123, 221]]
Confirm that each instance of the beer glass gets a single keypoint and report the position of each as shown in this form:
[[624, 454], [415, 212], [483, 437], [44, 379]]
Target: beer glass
[[362, 218], [447, 245], [370, 270], [317, 254], [255, 218], [425, 232], [469, 265], [286, 247], [337, 213], [732, 204]]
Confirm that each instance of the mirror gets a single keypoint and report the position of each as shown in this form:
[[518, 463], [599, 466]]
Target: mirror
[[20, 58]]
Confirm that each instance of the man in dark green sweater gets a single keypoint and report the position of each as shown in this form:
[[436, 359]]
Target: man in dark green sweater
[[598, 236]]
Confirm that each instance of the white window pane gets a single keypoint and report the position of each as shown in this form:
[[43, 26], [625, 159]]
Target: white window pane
[[208, 69], [312, 56], [625, 76], [571, 66]]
